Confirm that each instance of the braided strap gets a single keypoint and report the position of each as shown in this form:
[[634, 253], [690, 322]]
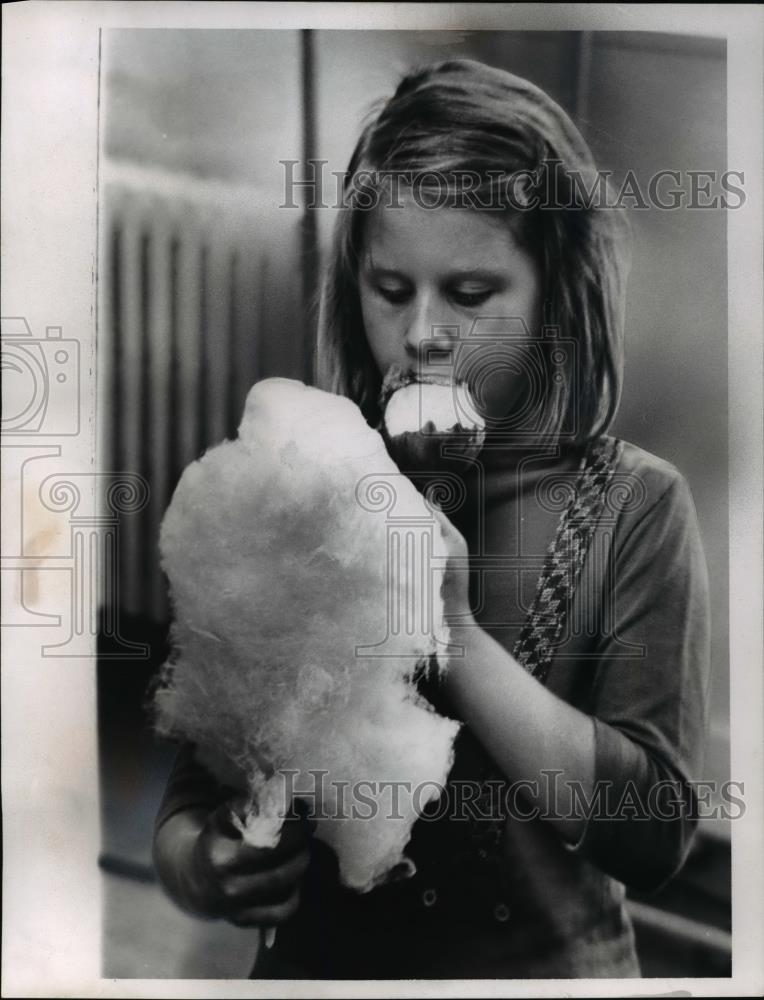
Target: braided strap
[[540, 636]]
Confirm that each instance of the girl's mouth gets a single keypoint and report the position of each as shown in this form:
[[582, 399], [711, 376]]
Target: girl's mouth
[[428, 422]]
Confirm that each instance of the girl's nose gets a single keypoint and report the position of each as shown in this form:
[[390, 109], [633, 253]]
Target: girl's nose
[[427, 331]]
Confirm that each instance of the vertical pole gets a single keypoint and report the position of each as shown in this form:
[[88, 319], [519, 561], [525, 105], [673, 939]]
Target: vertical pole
[[309, 226]]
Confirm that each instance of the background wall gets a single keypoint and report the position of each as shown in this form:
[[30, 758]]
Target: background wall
[[207, 285]]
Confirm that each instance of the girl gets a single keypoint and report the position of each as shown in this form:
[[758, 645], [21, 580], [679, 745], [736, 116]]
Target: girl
[[471, 245]]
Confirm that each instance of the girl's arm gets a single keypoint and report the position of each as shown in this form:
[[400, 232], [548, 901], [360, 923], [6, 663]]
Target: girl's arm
[[525, 728], [635, 758]]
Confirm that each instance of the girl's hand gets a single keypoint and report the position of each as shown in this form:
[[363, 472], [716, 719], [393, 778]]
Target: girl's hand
[[246, 885], [456, 578]]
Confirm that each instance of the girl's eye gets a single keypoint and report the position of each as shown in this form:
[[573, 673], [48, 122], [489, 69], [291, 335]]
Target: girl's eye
[[393, 293], [469, 298]]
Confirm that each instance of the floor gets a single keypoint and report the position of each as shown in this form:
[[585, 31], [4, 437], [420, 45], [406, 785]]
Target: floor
[[145, 936]]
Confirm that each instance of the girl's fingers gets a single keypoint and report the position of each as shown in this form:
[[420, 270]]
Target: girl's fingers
[[222, 820], [272, 886], [293, 840], [452, 536], [228, 852], [267, 916]]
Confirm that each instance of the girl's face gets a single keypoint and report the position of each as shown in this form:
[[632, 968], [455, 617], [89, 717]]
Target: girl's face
[[423, 269]]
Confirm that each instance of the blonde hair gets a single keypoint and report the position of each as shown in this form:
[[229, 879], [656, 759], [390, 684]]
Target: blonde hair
[[460, 117]]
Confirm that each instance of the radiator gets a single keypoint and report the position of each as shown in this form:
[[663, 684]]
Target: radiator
[[199, 297]]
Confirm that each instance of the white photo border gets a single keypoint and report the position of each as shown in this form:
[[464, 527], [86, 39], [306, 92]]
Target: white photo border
[[51, 908]]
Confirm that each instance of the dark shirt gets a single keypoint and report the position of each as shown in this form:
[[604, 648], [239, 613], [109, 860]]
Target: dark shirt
[[635, 657]]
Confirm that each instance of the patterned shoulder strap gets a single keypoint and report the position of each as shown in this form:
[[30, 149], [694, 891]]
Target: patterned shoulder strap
[[565, 557]]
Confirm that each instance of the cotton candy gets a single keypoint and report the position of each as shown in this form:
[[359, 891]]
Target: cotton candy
[[430, 423], [282, 553]]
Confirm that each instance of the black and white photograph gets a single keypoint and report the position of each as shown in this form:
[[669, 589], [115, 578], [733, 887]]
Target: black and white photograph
[[382, 499]]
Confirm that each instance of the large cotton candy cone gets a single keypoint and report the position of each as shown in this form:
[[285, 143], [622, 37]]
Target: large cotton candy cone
[[298, 624]]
